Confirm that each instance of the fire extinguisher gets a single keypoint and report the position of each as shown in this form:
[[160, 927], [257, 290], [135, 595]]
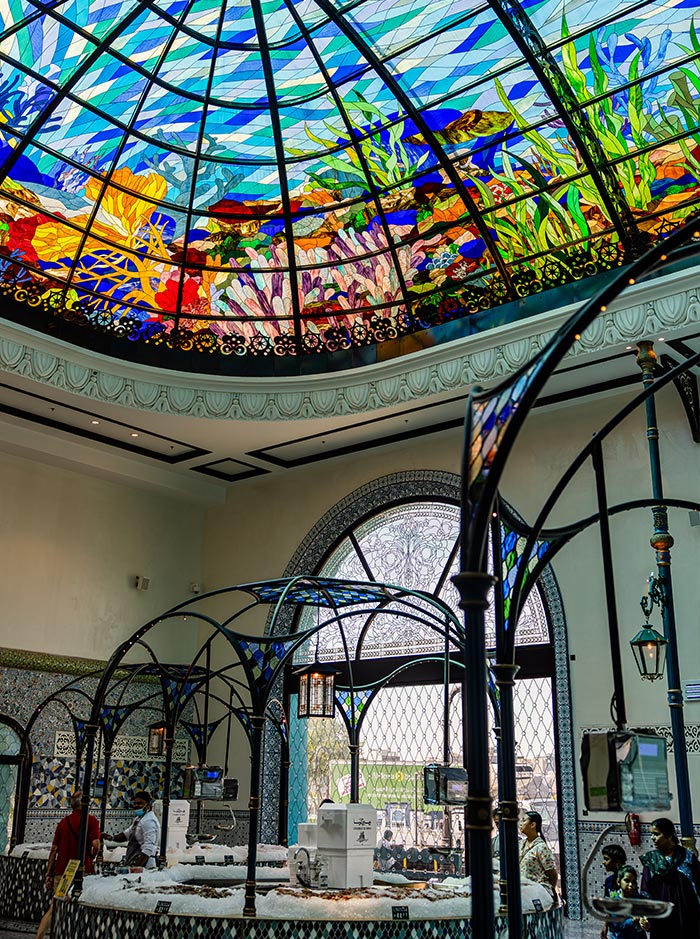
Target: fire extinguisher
[[634, 829]]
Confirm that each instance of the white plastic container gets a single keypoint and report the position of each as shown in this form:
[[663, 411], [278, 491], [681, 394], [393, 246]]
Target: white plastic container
[[344, 869], [178, 822], [347, 835], [346, 828], [306, 834]]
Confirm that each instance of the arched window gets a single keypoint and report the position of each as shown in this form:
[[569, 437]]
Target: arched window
[[404, 530]]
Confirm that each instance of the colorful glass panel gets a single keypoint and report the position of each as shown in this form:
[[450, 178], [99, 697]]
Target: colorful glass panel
[[490, 417], [284, 178], [512, 560]]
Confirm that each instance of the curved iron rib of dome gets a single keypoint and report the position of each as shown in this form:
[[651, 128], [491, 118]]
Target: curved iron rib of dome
[[75, 261], [268, 73], [374, 192], [522, 31], [195, 167], [81, 70], [416, 116]]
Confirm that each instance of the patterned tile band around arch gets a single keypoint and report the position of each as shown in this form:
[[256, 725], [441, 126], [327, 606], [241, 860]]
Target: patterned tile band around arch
[[73, 921]]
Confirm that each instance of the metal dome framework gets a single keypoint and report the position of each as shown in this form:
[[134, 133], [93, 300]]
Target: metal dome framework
[[291, 177]]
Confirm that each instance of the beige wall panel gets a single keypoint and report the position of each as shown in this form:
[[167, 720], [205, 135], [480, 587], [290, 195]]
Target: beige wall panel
[[70, 548]]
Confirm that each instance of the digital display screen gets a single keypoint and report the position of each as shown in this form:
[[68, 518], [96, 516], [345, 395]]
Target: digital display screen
[[456, 790], [648, 749]]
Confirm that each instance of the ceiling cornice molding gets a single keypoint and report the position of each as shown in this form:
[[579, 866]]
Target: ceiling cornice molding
[[664, 305]]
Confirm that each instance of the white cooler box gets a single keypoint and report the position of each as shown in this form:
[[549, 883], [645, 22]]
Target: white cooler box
[[178, 822], [346, 838], [346, 868]]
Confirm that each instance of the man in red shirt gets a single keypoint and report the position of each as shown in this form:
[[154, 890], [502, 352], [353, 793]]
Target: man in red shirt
[[65, 849]]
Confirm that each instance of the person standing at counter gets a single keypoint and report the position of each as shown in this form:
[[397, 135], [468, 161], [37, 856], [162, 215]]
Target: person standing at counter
[[65, 849], [536, 860], [672, 873], [142, 836]]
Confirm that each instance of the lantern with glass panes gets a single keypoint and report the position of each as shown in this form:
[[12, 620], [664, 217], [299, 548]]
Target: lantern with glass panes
[[649, 646], [316, 686], [316, 690], [156, 739]]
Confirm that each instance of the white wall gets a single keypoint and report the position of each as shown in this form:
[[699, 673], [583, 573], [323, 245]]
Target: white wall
[[70, 547]]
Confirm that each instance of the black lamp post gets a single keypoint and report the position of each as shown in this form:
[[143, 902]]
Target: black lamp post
[[661, 593]]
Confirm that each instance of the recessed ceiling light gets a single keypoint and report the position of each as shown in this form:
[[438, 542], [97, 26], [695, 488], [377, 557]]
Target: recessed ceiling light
[[94, 422], [661, 339], [134, 435], [628, 348]]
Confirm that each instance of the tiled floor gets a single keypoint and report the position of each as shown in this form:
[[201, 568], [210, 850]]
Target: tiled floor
[[572, 930]]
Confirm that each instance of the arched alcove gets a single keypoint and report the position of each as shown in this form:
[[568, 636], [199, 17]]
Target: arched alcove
[[403, 528]]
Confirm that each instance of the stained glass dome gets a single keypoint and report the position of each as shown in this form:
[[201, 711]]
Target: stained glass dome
[[279, 178]]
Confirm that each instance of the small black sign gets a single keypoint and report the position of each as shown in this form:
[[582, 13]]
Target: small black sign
[[200, 859], [163, 906], [399, 912], [25, 853], [228, 859], [537, 903]]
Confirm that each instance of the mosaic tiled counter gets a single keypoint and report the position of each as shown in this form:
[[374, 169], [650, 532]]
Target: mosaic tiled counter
[[22, 893], [208, 904], [75, 921]]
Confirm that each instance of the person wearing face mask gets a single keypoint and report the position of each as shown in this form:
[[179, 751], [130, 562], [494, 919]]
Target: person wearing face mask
[[142, 836], [65, 849]]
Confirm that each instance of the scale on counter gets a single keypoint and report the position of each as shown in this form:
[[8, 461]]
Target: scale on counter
[[203, 782], [444, 785]]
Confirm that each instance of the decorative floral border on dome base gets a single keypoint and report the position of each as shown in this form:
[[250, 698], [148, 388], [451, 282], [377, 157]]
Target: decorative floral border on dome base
[[667, 304]]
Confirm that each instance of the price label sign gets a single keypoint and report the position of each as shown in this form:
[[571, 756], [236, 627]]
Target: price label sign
[[228, 859], [537, 903], [66, 881], [200, 859], [25, 854], [399, 912], [163, 906]]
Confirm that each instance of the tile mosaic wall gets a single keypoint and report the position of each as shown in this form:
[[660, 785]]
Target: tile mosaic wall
[[53, 779], [53, 776]]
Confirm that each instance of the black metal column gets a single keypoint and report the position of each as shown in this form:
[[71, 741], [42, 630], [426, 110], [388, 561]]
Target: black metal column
[[662, 542], [508, 802], [473, 591]]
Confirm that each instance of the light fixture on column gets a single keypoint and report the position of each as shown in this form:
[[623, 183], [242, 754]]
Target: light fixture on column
[[156, 739], [649, 646]]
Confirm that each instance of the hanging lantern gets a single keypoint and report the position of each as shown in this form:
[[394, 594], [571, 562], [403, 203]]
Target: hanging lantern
[[156, 739], [649, 648], [316, 691]]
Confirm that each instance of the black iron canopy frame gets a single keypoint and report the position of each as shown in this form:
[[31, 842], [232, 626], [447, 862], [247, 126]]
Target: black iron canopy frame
[[493, 422], [252, 674]]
